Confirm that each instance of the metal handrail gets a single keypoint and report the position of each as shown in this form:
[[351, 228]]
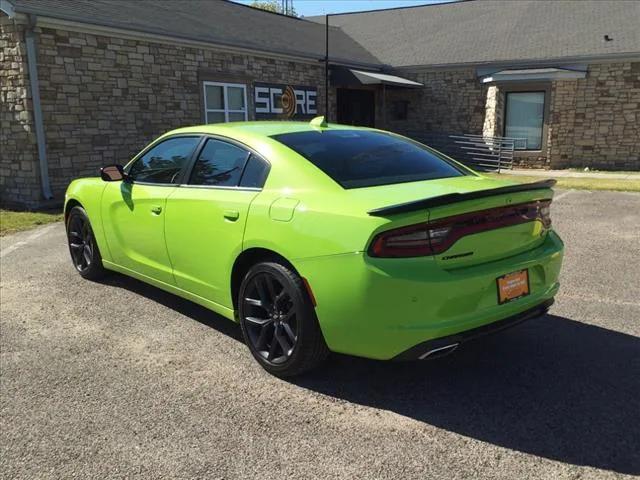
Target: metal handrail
[[477, 151]]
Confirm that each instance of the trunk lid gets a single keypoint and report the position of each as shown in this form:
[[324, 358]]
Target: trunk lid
[[437, 200], [494, 243]]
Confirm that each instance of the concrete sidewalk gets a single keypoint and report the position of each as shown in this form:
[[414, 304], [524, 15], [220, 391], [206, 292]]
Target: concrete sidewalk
[[573, 174]]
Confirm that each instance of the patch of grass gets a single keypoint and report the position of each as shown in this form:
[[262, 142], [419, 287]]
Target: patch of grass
[[618, 185], [12, 221]]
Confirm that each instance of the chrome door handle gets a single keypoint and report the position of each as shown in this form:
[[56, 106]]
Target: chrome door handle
[[232, 215], [156, 210]]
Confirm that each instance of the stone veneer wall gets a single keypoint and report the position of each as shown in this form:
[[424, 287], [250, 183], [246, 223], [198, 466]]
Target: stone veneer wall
[[592, 122], [452, 101], [104, 97], [595, 121], [19, 172]]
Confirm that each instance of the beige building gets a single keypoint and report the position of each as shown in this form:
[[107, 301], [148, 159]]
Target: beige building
[[87, 83]]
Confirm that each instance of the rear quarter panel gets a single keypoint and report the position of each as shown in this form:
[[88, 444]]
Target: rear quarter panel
[[313, 228], [301, 212]]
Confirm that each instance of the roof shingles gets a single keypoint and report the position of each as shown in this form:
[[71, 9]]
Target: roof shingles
[[215, 21], [492, 31], [467, 32]]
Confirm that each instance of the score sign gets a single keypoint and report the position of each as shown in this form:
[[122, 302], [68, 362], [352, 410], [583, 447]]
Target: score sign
[[277, 101]]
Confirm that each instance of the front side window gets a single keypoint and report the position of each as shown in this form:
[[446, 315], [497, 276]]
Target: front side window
[[225, 102], [164, 162], [365, 158], [219, 164], [524, 117]]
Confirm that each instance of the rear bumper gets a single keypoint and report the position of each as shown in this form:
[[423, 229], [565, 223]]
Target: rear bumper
[[380, 308], [443, 345]]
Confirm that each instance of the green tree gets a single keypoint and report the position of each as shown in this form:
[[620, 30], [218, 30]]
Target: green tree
[[277, 6]]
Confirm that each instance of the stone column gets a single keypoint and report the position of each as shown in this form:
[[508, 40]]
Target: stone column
[[492, 126]]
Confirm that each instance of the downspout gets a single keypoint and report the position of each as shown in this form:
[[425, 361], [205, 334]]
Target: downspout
[[32, 62]]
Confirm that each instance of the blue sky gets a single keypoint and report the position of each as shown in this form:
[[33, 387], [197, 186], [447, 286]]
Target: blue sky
[[320, 7]]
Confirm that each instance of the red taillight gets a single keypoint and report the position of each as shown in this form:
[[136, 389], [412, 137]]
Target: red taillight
[[435, 237]]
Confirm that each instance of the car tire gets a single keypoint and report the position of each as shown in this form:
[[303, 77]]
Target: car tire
[[276, 313], [83, 248]]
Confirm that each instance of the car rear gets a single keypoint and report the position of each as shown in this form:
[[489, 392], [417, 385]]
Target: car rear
[[446, 258]]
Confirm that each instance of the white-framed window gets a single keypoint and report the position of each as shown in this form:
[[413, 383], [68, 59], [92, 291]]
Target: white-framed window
[[224, 102]]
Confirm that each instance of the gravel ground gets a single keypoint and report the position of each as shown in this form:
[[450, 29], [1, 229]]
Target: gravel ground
[[121, 380]]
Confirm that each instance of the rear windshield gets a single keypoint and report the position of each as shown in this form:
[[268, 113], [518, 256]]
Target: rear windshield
[[364, 158]]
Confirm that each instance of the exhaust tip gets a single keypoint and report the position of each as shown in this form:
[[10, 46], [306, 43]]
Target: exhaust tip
[[440, 351]]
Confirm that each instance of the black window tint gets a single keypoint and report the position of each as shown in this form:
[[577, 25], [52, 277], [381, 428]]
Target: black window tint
[[255, 173], [364, 158], [219, 163], [163, 163]]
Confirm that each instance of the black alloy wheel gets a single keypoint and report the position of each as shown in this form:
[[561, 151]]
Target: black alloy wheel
[[278, 320], [271, 318], [84, 251], [80, 243]]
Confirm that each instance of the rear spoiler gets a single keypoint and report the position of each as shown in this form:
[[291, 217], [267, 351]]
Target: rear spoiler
[[457, 197]]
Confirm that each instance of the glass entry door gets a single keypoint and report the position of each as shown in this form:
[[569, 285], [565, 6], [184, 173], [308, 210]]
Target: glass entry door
[[524, 119]]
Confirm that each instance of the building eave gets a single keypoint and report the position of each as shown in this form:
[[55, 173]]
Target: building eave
[[612, 57]]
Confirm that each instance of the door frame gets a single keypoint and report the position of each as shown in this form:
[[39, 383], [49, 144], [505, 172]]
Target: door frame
[[373, 91], [544, 87], [157, 142], [190, 164]]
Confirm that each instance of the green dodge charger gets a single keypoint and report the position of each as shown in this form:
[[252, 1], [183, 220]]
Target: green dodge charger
[[321, 238]]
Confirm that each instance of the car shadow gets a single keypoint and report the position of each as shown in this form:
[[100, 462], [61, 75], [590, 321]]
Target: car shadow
[[177, 304], [552, 387]]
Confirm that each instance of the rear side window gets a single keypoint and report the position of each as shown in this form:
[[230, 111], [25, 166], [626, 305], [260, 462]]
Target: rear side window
[[255, 173], [364, 158], [164, 162], [219, 163]]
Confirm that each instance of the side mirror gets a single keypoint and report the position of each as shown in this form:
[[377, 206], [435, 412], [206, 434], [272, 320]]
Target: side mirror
[[112, 173]]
